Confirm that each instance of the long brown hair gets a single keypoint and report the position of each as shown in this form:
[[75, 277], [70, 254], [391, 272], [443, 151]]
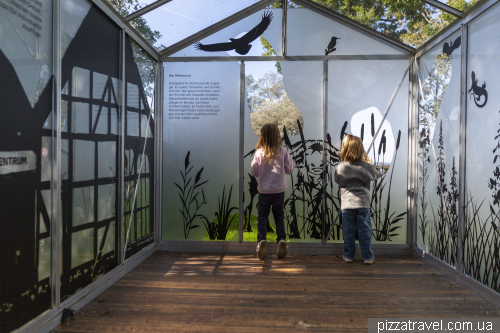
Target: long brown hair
[[269, 141], [353, 150]]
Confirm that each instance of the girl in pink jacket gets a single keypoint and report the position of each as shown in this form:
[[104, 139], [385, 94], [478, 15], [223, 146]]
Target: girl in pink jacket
[[271, 164]]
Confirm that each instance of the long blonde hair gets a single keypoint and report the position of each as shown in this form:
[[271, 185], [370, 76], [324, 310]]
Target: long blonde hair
[[269, 141], [353, 150]]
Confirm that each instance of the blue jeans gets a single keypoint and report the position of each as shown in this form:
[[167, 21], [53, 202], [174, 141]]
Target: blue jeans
[[277, 201], [360, 219]]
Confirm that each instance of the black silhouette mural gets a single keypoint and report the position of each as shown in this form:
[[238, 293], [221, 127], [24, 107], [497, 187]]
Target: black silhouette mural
[[331, 46], [240, 45], [476, 92], [449, 48], [22, 210], [90, 114]]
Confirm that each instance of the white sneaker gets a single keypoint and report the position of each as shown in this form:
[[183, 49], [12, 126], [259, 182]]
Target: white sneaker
[[347, 259], [282, 248], [369, 262], [261, 249]]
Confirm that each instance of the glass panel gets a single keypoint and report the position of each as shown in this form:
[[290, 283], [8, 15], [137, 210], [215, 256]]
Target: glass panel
[[180, 19], [256, 35], [460, 5], [88, 159], [482, 233], [201, 151], [358, 95], [140, 75], [73, 12], [412, 23], [127, 7], [26, 133], [288, 94], [309, 33], [439, 122]]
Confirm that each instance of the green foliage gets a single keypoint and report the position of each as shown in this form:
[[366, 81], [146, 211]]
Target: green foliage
[[269, 51], [126, 7], [411, 21], [250, 236]]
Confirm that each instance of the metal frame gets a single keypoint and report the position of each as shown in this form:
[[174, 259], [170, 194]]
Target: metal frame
[[462, 156], [410, 160], [290, 58], [356, 26], [121, 144], [414, 166], [465, 18], [283, 27], [146, 10], [214, 28], [55, 281], [445, 8], [106, 7], [158, 151], [325, 148], [241, 186]]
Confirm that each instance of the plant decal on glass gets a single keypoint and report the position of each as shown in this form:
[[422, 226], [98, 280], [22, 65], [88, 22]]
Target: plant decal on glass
[[191, 202]]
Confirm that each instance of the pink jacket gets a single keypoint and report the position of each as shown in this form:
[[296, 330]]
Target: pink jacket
[[272, 176]]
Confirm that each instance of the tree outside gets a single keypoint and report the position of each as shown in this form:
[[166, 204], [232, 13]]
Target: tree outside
[[269, 103]]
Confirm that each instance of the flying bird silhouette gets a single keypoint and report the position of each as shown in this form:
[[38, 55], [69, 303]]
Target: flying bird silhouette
[[242, 44], [331, 46], [449, 48]]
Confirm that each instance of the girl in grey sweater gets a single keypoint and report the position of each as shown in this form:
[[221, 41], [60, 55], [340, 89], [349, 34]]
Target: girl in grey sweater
[[354, 174]]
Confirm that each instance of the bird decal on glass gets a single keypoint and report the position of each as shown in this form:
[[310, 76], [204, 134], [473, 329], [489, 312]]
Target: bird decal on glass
[[331, 46], [449, 48], [240, 45]]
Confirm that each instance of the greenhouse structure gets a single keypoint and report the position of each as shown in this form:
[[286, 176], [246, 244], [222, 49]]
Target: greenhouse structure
[[128, 128]]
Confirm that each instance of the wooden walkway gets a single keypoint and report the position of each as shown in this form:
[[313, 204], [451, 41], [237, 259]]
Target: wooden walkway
[[184, 292]]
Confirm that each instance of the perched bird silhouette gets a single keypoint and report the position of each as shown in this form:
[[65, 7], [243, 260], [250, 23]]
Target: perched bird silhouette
[[449, 48], [476, 91], [242, 44], [331, 46]]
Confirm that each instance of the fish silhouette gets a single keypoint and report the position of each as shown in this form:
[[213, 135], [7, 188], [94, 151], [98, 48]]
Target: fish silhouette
[[241, 45]]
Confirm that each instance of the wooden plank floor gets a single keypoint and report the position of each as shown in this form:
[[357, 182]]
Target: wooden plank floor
[[184, 292]]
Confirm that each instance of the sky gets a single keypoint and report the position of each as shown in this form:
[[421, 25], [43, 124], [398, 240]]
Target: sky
[[179, 19]]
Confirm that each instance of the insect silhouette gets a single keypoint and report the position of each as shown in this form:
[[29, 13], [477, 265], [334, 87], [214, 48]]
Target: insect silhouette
[[449, 48], [331, 46], [476, 91], [241, 45]]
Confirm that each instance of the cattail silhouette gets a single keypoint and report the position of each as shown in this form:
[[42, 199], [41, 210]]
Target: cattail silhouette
[[373, 125], [342, 133], [384, 140], [382, 143], [362, 131]]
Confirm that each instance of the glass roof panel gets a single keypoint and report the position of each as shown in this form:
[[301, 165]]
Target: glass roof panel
[[268, 42], [310, 33], [411, 22], [127, 7], [178, 19], [461, 5]]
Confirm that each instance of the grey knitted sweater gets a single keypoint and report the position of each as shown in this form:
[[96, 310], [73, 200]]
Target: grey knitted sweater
[[354, 181]]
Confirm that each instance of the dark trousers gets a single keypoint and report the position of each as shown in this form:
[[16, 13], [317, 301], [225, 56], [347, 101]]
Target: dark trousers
[[277, 201]]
